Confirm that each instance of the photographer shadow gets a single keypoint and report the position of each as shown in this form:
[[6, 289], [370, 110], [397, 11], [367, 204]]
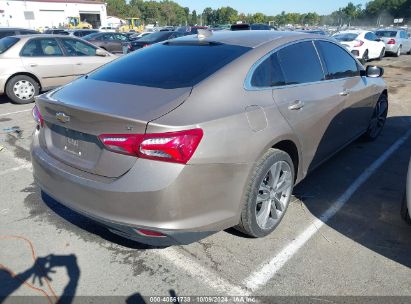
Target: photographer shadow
[[40, 272]]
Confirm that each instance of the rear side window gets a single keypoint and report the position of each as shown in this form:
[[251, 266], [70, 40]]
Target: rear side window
[[338, 62], [6, 43], [41, 48], [170, 65], [300, 63], [268, 73], [75, 47], [370, 36], [346, 37]]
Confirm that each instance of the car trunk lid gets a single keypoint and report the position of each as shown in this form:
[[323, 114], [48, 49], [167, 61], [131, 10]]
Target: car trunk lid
[[75, 116]]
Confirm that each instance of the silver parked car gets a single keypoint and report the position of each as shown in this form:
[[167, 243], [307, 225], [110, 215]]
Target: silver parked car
[[200, 133], [34, 63], [397, 42]]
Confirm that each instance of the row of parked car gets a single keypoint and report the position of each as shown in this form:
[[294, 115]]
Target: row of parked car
[[368, 45], [26, 68]]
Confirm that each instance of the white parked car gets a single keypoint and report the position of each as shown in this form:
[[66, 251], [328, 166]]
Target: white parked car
[[34, 63], [364, 45], [107, 29]]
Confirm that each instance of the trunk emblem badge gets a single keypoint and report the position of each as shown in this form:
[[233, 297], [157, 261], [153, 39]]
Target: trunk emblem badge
[[60, 116]]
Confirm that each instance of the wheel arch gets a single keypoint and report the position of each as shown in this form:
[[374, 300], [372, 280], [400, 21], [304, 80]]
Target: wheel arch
[[25, 74], [291, 149]]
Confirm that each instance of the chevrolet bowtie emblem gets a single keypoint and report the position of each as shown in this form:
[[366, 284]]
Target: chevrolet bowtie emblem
[[60, 116]]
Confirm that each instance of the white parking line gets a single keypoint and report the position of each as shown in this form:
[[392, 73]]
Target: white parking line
[[200, 273], [16, 112], [260, 277]]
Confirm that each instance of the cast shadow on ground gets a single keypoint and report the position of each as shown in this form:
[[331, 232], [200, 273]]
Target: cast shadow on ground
[[40, 272]]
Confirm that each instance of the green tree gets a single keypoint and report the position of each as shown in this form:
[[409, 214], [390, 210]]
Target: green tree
[[194, 19], [257, 18]]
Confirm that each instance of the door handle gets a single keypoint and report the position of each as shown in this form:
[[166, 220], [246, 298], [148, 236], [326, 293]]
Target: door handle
[[345, 93], [296, 105], [33, 65], [78, 63]]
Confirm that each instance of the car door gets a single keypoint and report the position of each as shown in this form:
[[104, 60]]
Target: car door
[[119, 40], [406, 42], [83, 56], [107, 40], [308, 102], [44, 58], [344, 74], [375, 47]]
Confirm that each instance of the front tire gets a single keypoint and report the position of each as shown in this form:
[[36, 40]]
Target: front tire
[[21, 89], [268, 194], [404, 211], [378, 119]]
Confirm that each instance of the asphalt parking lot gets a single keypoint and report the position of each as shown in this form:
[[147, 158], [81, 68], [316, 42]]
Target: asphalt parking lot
[[342, 234]]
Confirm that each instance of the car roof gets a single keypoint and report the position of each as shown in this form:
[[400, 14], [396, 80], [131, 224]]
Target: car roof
[[389, 30], [26, 37], [15, 29], [358, 32], [250, 39]]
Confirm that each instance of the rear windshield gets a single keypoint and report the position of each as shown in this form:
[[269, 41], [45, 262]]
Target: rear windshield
[[170, 65], [155, 36], [389, 34], [346, 37], [91, 36], [6, 43]]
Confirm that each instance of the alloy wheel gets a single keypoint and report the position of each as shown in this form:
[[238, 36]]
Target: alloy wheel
[[378, 119], [273, 195]]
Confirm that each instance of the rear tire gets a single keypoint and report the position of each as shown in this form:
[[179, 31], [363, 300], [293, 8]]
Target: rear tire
[[404, 211], [268, 194], [382, 54], [22, 89], [398, 54], [378, 119]]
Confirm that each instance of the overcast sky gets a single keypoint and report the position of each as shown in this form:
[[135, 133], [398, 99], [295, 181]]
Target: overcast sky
[[271, 7]]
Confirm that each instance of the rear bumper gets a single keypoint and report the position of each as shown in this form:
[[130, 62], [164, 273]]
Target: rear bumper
[[182, 202], [391, 48]]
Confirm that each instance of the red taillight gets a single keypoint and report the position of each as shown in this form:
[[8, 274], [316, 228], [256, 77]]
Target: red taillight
[[176, 147], [37, 116], [145, 45], [358, 43], [391, 41], [149, 233]]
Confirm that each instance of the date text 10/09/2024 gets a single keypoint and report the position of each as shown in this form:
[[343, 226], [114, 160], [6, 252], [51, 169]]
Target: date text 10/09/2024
[[203, 299]]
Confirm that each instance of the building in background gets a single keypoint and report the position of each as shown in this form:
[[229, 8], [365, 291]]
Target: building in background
[[37, 14]]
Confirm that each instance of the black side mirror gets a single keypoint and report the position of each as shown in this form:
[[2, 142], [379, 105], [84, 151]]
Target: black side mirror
[[378, 40], [372, 72]]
